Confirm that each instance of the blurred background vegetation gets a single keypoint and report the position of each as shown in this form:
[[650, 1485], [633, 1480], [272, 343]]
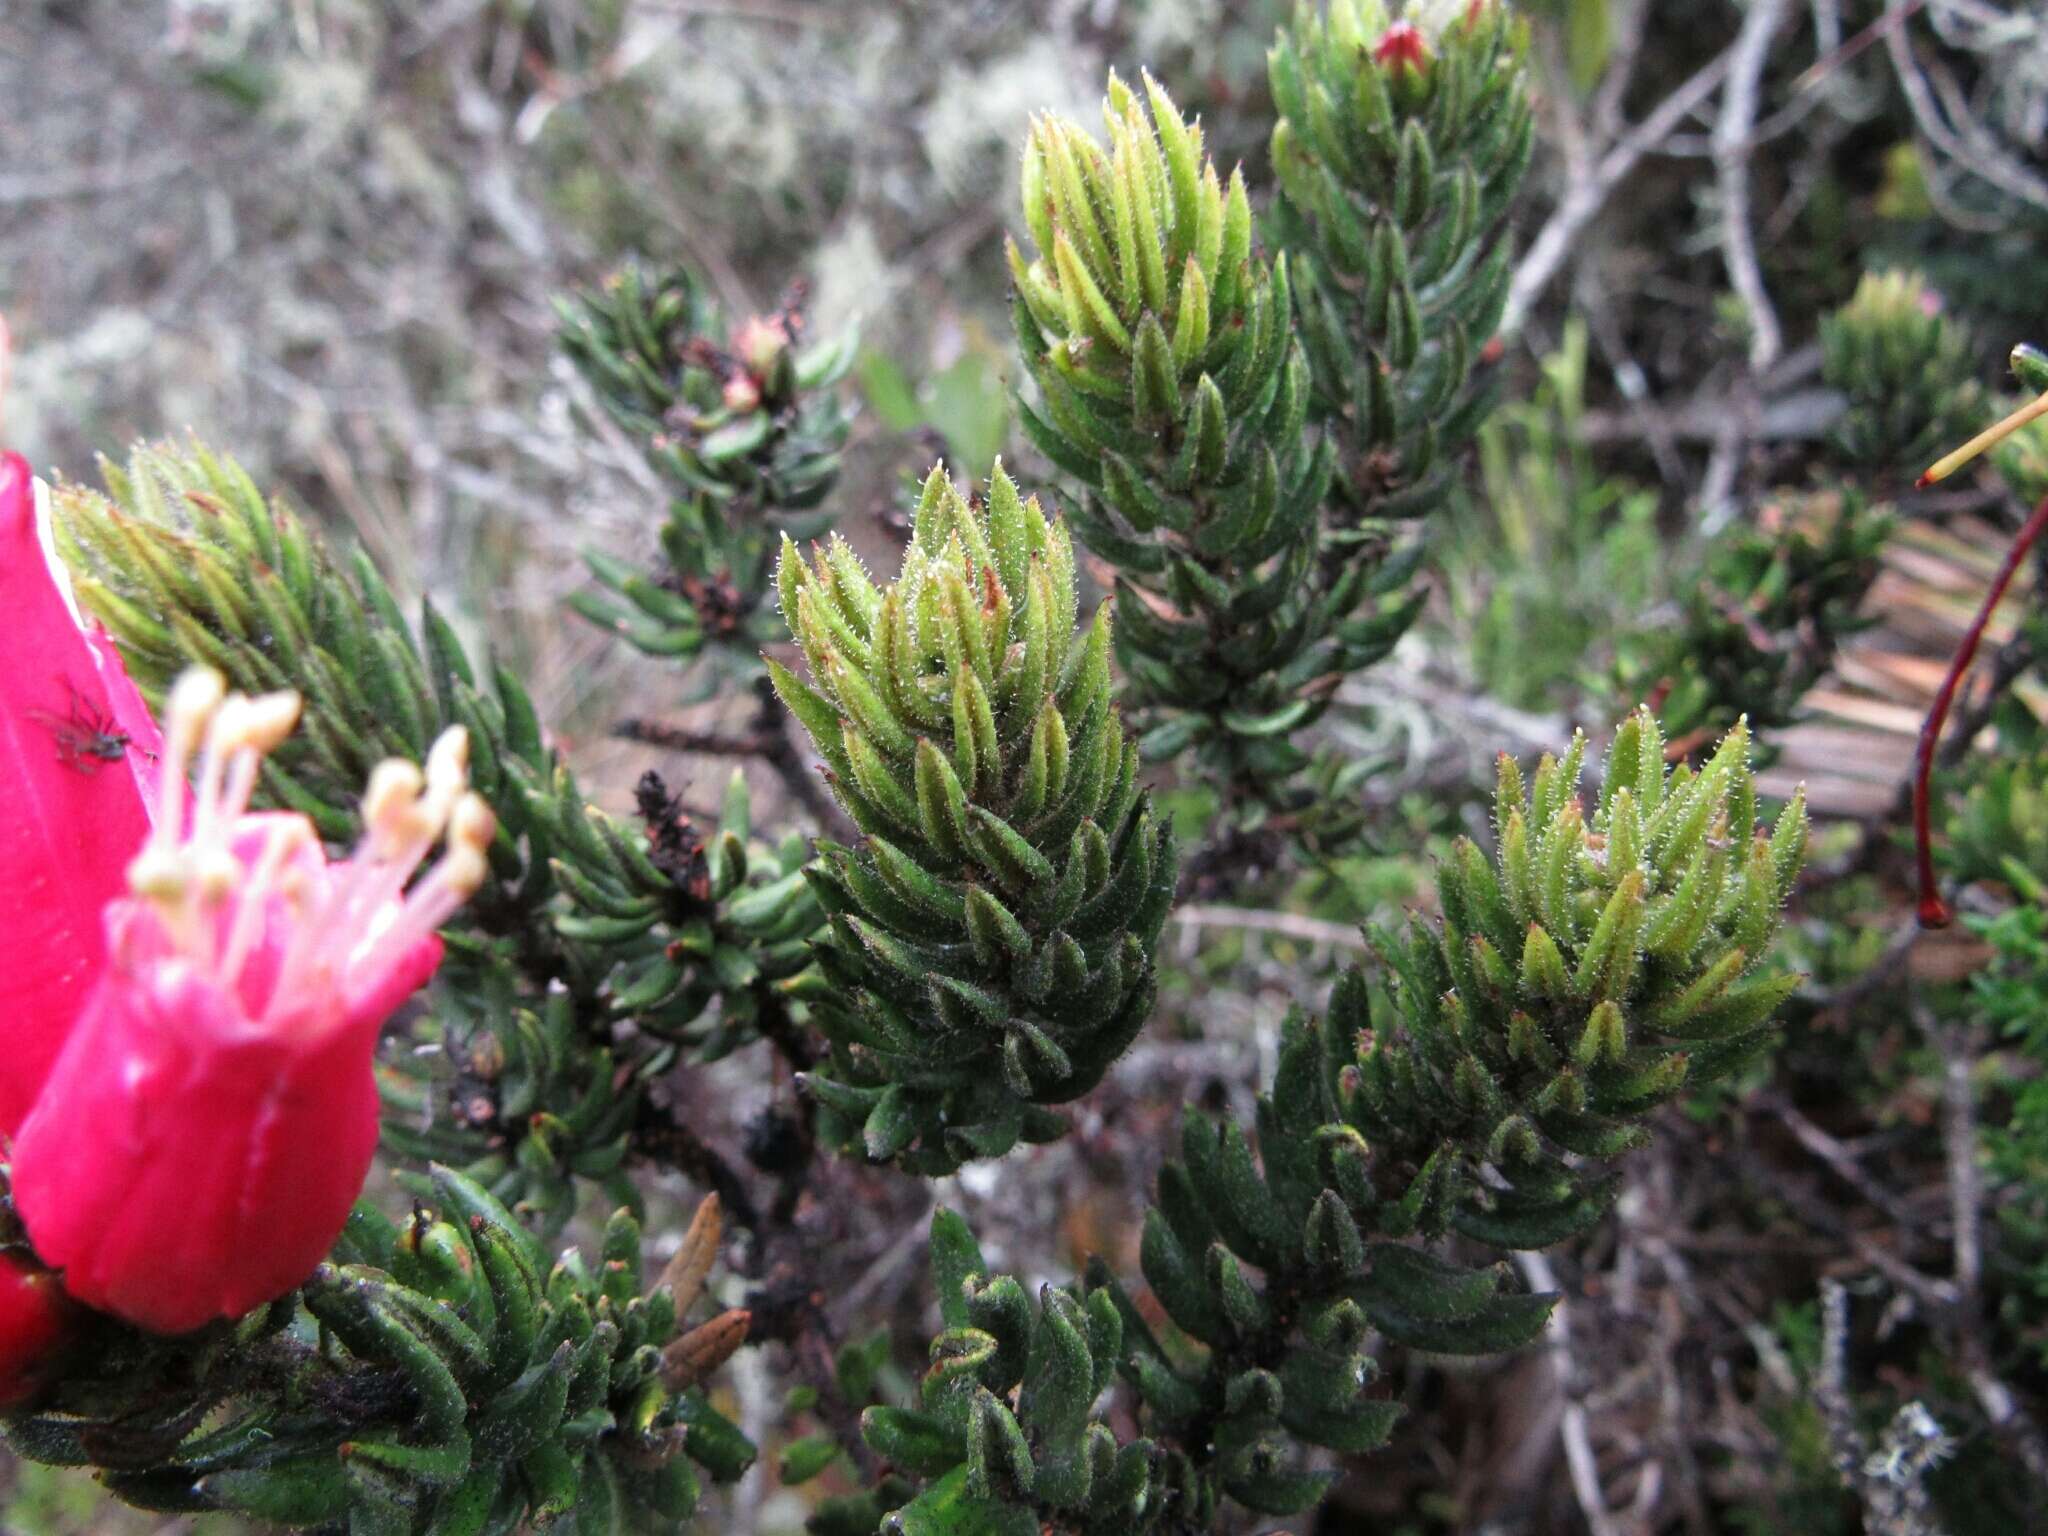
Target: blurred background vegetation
[[326, 234]]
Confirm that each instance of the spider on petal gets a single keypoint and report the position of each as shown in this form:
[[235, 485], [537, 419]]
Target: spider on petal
[[86, 734]]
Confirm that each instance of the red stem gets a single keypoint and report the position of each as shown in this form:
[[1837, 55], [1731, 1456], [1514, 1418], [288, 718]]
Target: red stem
[[1934, 912]]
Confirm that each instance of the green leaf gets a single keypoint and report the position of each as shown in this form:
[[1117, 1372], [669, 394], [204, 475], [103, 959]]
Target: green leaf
[[735, 438], [1589, 40], [917, 1442], [804, 1459], [946, 1508]]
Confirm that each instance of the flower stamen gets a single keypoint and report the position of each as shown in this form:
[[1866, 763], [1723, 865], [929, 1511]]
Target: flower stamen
[[452, 880], [345, 926], [281, 841]]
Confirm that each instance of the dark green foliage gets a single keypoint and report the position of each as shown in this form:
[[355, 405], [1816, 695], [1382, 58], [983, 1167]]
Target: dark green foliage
[[437, 1376], [708, 944], [1997, 841], [2010, 996], [1589, 974], [186, 561], [1907, 371], [1173, 392], [1586, 976], [990, 947], [1006, 1434], [1245, 429], [1604, 963], [1274, 1266], [746, 430], [694, 918], [705, 944], [1173, 395], [518, 1099], [1398, 151]]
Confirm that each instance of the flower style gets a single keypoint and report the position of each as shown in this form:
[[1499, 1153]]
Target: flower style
[[79, 749], [212, 1116]]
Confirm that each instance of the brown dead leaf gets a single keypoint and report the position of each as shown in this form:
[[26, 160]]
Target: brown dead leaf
[[689, 1359], [685, 1274]]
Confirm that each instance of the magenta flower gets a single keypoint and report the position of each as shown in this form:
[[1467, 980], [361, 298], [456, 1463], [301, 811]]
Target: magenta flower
[[210, 1120], [78, 750]]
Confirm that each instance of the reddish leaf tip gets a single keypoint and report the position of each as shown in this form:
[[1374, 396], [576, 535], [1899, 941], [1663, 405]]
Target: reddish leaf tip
[[1402, 46]]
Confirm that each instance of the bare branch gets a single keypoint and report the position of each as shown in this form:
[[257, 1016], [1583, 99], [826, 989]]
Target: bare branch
[[1733, 133], [1889, 1482], [1310, 930], [1571, 1430], [1584, 197], [1967, 145], [1839, 1158]]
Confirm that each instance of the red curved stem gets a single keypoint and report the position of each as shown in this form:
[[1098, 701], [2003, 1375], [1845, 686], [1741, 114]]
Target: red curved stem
[[1934, 912]]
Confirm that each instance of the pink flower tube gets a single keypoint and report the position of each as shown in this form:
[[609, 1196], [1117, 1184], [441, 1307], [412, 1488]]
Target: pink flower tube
[[211, 1118], [78, 749]]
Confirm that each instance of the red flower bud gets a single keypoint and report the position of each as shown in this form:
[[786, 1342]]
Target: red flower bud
[[78, 752], [759, 342], [742, 392], [201, 1138], [1402, 47], [36, 1323]]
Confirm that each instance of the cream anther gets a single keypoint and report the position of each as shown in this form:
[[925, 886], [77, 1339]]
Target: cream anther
[[217, 872], [194, 697], [268, 719], [473, 823], [157, 874], [448, 762], [392, 819]]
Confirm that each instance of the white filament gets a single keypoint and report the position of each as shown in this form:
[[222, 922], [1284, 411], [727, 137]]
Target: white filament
[[346, 931]]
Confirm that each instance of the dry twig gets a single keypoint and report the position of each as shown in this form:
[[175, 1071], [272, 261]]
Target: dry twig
[[1733, 133], [1572, 1430], [1587, 194], [1890, 1482]]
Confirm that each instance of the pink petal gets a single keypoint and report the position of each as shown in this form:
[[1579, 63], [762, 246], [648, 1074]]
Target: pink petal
[[185, 1163], [70, 826], [405, 974]]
